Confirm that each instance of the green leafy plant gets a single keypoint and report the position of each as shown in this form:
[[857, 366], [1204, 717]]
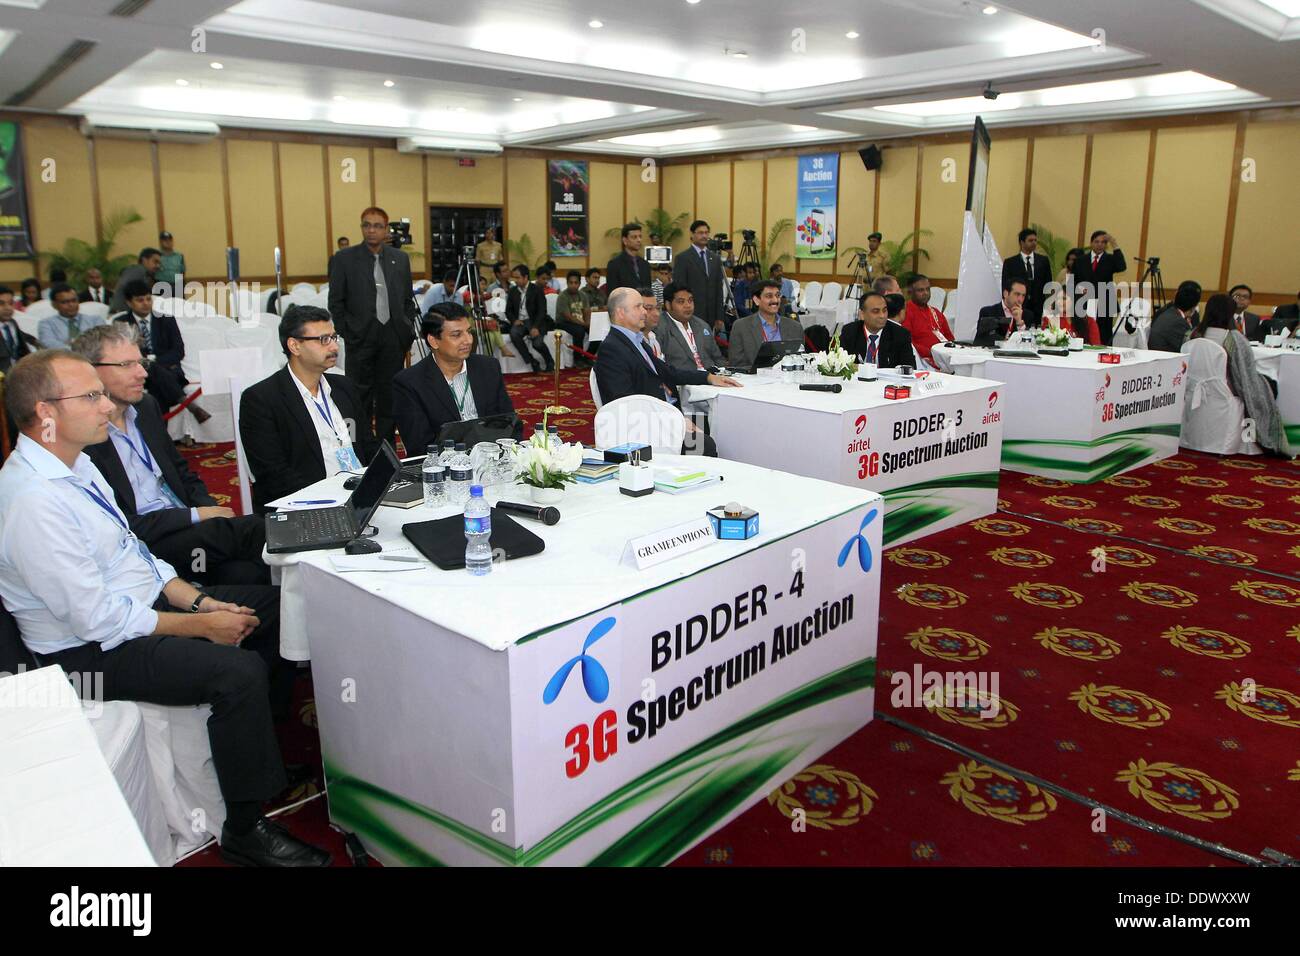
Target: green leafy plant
[[765, 258], [520, 252], [1055, 247], [899, 256], [659, 223], [77, 257]]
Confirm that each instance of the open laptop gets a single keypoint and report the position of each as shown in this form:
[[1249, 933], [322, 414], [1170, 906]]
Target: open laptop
[[322, 528], [769, 353]]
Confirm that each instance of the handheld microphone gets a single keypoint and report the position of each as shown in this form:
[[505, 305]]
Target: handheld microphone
[[546, 515], [821, 388]]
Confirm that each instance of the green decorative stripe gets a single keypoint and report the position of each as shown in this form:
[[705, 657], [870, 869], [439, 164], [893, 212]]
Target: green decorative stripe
[[1132, 451], [733, 772], [913, 508], [1292, 434]]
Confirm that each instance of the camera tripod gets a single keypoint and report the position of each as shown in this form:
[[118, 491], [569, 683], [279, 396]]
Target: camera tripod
[[858, 284], [748, 254], [467, 266], [1150, 273]]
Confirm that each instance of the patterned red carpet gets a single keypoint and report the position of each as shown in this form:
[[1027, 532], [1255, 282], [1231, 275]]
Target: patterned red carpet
[[1164, 684]]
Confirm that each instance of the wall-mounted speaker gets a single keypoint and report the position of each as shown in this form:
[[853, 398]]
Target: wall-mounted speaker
[[871, 157]]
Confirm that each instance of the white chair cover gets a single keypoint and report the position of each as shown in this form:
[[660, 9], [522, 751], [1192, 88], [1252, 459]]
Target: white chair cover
[[812, 295], [595, 391], [551, 301], [94, 308], [640, 418], [199, 335], [1212, 415], [937, 296], [38, 310], [262, 337], [303, 288], [831, 293]]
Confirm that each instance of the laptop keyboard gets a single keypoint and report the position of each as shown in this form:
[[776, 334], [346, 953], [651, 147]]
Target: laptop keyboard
[[325, 524]]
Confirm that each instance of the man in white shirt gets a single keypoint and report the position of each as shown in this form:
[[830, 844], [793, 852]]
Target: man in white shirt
[[95, 290], [88, 596]]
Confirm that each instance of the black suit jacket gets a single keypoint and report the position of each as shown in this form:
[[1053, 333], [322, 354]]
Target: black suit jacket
[[167, 346], [1013, 267], [1255, 329], [994, 325], [536, 302], [688, 270], [184, 484], [624, 271], [893, 349], [1284, 317], [352, 293], [1169, 330], [620, 371], [85, 296], [26, 345], [423, 403], [280, 443], [1108, 266]]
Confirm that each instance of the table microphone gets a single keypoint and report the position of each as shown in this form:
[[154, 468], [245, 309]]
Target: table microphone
[[546, 515], [821, 388]]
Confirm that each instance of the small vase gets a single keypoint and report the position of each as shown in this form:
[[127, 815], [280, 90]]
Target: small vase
[[547, 496]]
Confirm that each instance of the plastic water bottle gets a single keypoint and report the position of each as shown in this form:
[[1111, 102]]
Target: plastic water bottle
[[478, 532], [435, 479], [460, 475], [448, 452], [539, 434], [553, 436]]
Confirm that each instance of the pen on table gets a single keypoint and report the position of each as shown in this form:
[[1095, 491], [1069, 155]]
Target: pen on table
[[321, 501], [398, 557]]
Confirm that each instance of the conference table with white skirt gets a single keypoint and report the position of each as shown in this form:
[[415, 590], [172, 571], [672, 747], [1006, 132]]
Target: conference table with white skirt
[[1283, 367], [933, 456], [1076, 418], [570, 708]]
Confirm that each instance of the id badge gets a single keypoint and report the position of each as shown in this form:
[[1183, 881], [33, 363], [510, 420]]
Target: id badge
[[347, 459]]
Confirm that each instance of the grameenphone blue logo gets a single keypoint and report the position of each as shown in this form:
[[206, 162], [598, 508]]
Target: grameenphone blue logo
[[595, 681], [860, 539]]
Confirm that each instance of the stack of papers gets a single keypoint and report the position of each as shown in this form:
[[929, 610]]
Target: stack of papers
[[675, 480], [596, 470]]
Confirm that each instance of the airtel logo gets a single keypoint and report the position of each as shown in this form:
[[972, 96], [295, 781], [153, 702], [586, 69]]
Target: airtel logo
[[1107, 385], [993, 399], [1183, 369], [860, 424]]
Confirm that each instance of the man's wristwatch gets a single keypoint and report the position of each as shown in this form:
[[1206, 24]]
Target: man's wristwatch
[[194, 608]]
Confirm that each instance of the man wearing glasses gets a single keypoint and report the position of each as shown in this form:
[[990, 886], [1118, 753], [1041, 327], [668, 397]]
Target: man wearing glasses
[[372, 304], [301, 425], [88, 596], [167, 506], [159, 338]]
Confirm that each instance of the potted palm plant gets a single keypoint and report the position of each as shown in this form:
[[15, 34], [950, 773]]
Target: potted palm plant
[[520, 252], [77, 257]]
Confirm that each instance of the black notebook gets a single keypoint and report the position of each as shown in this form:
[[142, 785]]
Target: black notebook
[[442, 540]]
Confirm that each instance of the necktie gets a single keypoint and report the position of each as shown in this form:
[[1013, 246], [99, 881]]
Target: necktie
[[1241, 323], [146, 344], [704, 257], [9, 339], [1029, 266], [1096, 258], [871, 348], [381, 294], [73, 329]]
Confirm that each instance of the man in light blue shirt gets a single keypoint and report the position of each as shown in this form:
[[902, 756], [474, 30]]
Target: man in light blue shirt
[[444, 291], [60, 329], [88, 596]]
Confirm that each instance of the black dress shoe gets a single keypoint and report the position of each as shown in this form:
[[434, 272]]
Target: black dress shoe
[[269, 844]]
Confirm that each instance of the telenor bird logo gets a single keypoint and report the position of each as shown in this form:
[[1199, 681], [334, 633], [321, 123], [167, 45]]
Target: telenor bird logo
[[860, 539], [594, 678]]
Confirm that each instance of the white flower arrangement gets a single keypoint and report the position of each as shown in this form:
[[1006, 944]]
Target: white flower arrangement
[[835, 361], [1053, 336], [539, 465]]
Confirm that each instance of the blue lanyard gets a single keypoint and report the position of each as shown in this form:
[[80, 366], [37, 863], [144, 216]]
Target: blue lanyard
[[98, 498], [323, 408], [142, 452]]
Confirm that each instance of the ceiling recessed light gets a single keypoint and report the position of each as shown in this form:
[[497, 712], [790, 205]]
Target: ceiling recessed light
[[852, 34], [740, 55], [460, 109], [217, 66], [389, 83], [340, 98], [182, 82], [990, 10], [595, 24], [692, 2], [518, 99]]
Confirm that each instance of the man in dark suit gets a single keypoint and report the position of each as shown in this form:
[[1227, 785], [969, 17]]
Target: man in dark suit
[[998, 320], [301, 425], [628, 269], [160, 342], [451, 385], [528, 321], [14, 342], [686, 340], [1032, 266], [1243, 320], [146, 268], [873, 338], [168, 506], [95, 291], [701, 271], [1285, 317], [1094, 280], [625, 365], [1169, 329], [374, 310], [765, 324]]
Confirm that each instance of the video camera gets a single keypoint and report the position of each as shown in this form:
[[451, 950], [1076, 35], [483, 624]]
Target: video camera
[[749, 234], [399, 233], [720, 243]]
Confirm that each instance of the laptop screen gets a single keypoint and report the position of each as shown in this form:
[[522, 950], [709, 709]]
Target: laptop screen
[[769, 353], [374, 483]]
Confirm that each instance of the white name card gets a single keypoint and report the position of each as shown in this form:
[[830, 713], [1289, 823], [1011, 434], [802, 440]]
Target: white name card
[[931, 385], [668, 543]]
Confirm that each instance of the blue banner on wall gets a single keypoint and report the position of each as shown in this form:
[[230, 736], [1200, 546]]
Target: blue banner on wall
[[818, 189]]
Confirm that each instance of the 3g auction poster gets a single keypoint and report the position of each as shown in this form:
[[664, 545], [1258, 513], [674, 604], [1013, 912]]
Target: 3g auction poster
[[569, 186], [15, 227], [815, 206]]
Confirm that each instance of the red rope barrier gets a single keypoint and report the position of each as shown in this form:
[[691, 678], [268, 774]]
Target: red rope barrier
[[168, 416]]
